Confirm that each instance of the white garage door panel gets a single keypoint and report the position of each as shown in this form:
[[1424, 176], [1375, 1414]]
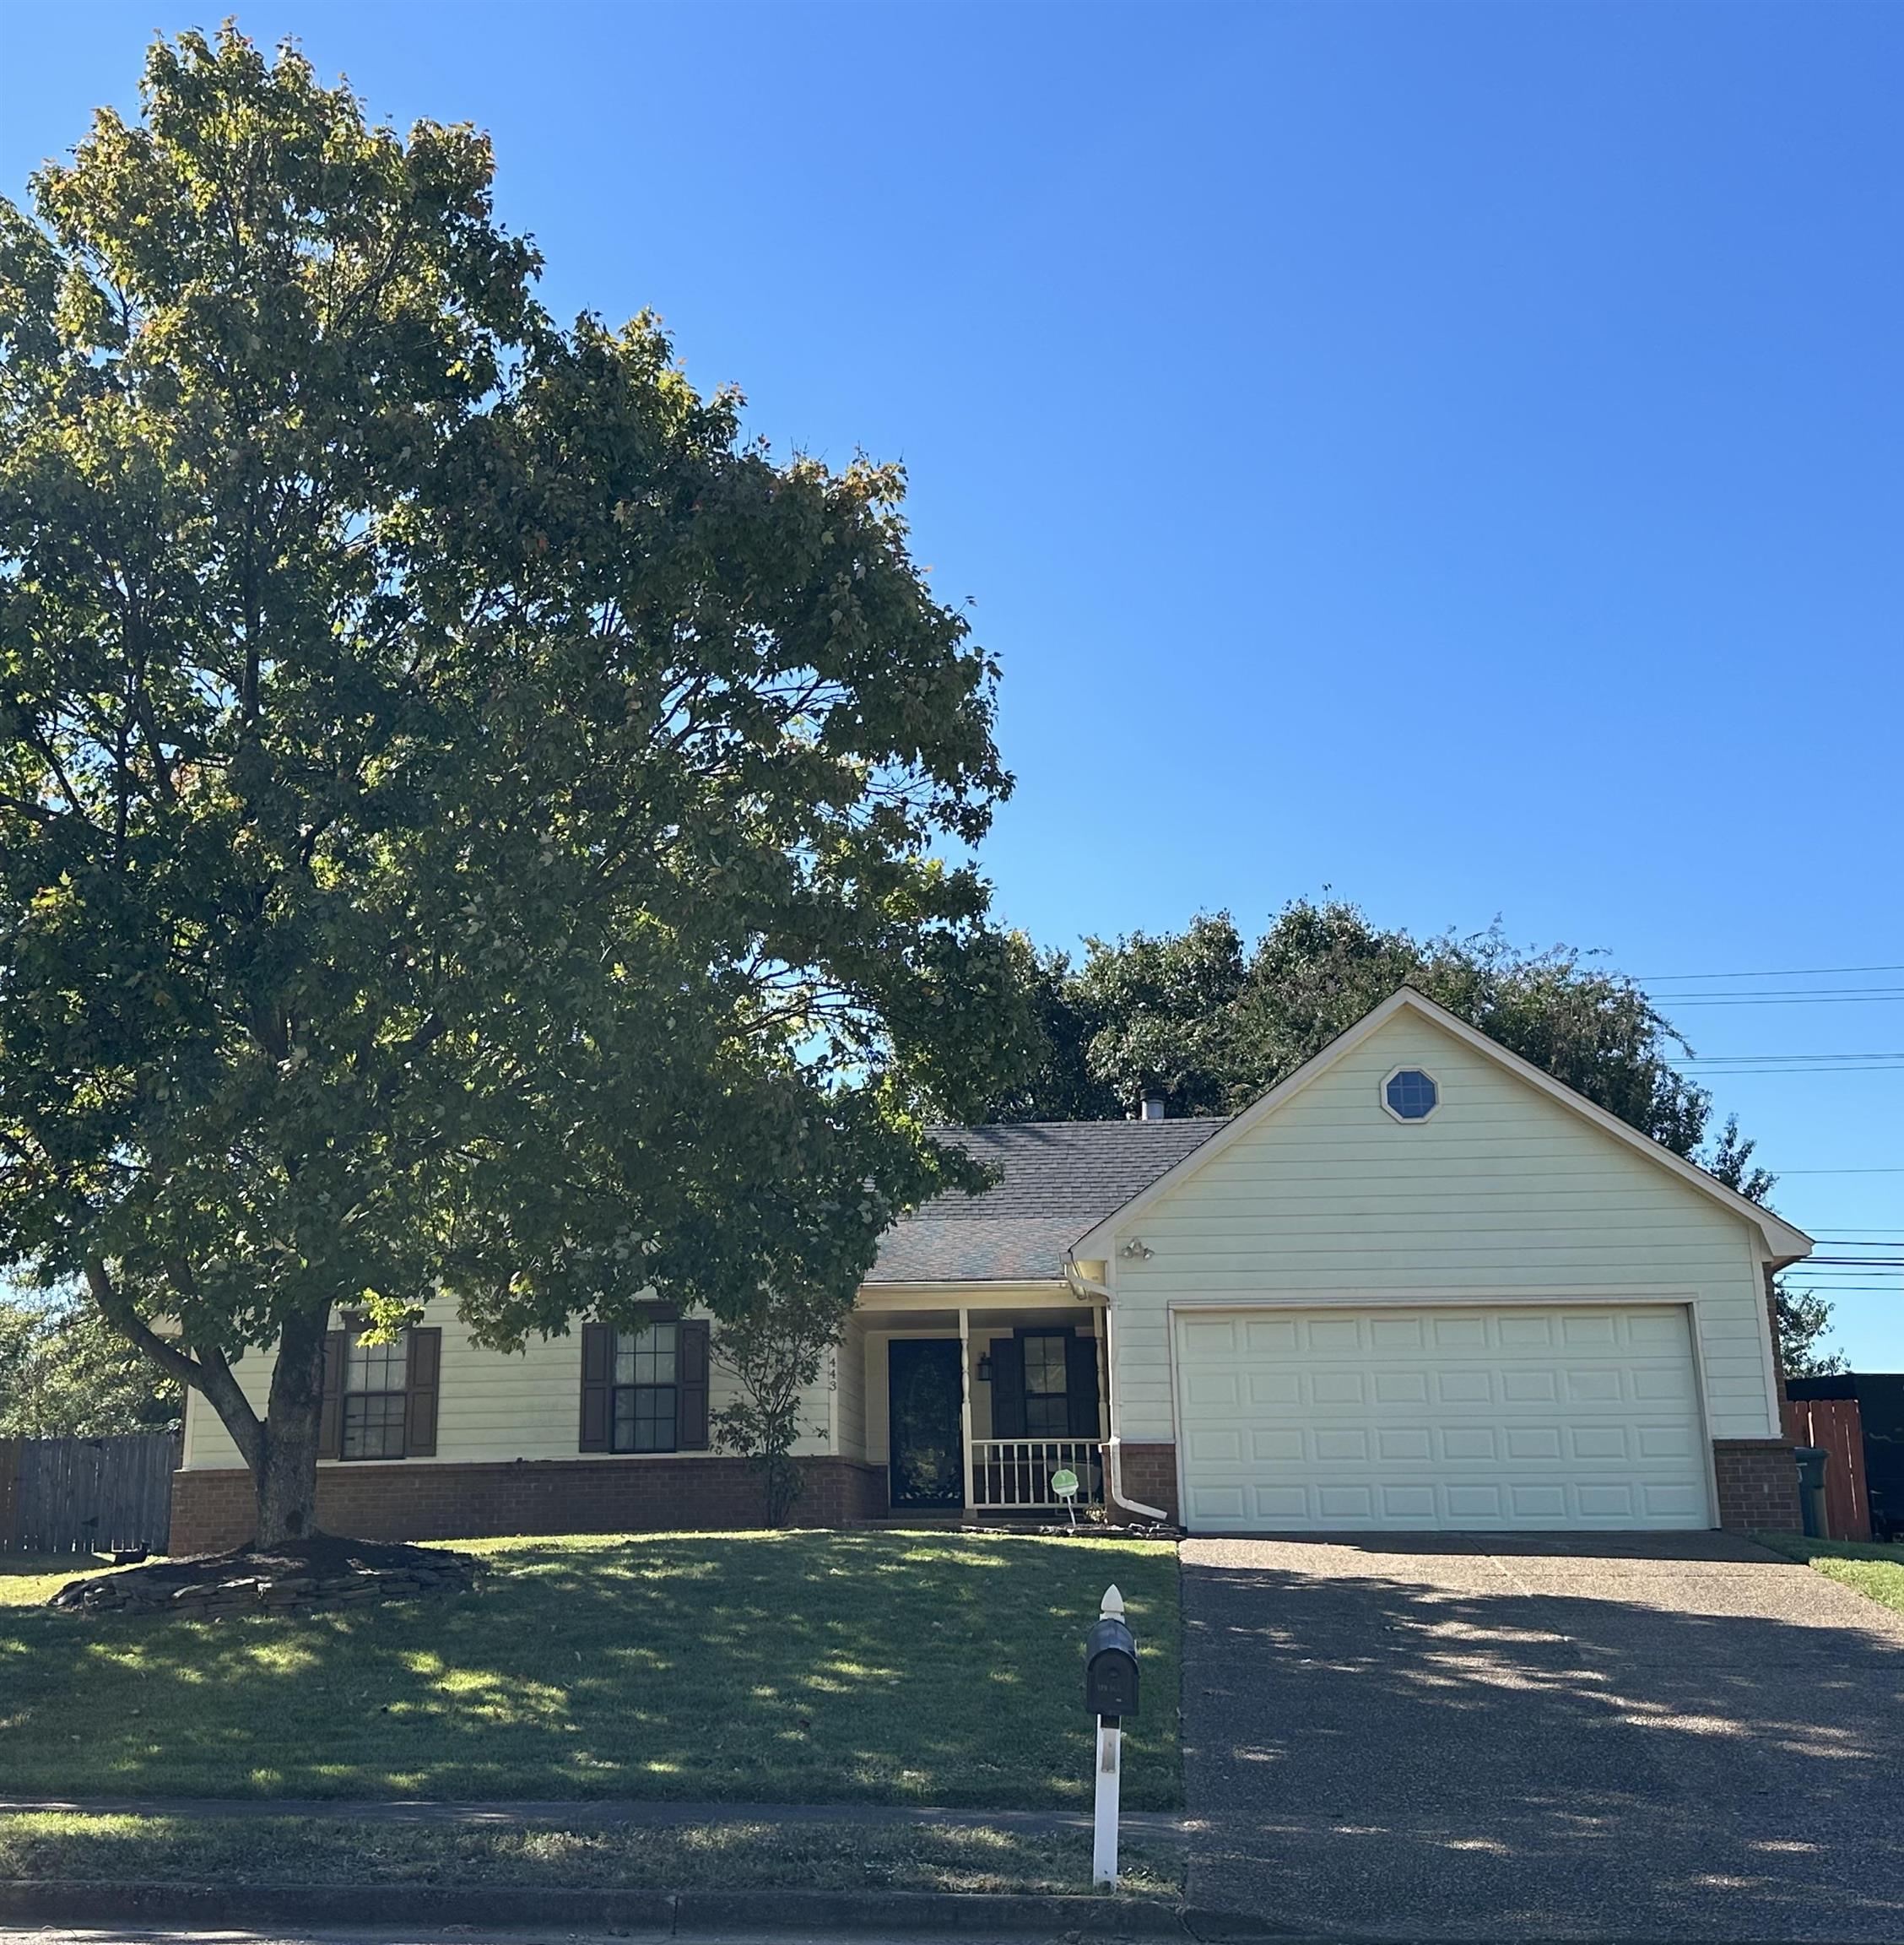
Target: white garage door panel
[[1462, 1418]]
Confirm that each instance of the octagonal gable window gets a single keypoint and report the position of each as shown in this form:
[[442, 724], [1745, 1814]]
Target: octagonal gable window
[[1410, 1094]]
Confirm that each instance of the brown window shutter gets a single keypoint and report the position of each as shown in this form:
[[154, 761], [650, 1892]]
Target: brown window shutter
[[691, 1396], [598, 1369], [330, 1422], [419, 1385]]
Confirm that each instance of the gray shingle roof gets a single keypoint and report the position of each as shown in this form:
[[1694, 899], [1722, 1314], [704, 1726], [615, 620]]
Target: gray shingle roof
[[1060, 1178]]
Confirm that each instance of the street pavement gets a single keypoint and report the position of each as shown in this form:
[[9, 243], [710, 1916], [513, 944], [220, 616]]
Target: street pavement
[[119, 1935], [1424, 1736]]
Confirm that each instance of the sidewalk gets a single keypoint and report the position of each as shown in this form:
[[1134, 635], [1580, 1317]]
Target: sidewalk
[[592, 1813]]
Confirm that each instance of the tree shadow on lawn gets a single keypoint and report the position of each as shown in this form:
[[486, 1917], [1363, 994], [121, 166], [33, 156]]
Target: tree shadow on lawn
[[1399, 1757], [821, 1667]]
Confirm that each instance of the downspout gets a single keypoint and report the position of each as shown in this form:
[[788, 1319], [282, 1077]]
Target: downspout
[[1083, 1285]]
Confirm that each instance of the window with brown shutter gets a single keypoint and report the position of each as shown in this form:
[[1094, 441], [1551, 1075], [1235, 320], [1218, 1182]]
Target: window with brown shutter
[[645, 1388], [380, 1400]]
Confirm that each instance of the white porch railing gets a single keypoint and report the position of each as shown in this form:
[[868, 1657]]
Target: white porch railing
[[1014, 1475]]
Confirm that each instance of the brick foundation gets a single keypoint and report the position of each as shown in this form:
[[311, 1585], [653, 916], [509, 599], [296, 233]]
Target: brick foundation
[[1758, 1481], [1149, 1473], [212, 1510]]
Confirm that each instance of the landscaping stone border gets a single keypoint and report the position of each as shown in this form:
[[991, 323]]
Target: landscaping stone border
[[361, 1586]]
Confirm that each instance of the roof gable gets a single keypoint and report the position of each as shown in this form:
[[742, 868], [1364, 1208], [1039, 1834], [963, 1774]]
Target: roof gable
[[1782, 1242]]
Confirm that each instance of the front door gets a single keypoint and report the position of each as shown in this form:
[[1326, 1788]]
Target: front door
[[928, 1463]]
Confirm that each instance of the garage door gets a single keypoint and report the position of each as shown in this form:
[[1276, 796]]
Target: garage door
[[1462, 1418]]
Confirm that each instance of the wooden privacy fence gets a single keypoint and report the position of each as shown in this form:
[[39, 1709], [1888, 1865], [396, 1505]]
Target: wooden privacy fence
[[83, 1495], [1837, 1426]]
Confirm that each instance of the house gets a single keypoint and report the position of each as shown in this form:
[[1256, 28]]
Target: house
[[1420, 1284]]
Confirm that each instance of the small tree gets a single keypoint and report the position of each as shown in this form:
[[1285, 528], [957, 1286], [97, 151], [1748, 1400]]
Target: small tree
[[468, 820], [1803, 1318], [776, 1348]]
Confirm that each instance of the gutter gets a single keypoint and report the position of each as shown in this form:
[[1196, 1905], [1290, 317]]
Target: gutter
[[1083, 1285]]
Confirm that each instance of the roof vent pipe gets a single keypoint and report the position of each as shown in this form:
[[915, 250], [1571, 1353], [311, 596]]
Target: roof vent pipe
[[1153, 1107]]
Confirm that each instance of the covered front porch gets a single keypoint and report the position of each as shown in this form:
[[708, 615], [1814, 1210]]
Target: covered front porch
[[978, 1406]]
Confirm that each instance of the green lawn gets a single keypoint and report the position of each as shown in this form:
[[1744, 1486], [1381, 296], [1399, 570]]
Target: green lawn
[[775, 1667], [725, 1855], [1875, 1570]]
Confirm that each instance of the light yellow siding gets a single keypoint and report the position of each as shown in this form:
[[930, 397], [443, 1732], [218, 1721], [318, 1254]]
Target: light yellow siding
[[1501, 1193], [849, 1391], [490, 1406]]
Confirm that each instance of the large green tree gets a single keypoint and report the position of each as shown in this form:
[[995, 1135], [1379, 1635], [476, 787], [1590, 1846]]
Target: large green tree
[[1210, 1021], [467, 820]]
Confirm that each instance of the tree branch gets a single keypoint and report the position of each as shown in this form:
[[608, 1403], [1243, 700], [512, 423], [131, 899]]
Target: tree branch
[[209, 1373]]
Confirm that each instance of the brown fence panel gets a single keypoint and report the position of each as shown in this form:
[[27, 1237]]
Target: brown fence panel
[[9, 1494], [86, 1495], [1837, 1426]]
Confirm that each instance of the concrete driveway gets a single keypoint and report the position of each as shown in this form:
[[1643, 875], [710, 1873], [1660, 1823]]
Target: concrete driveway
[[1488, 1738]]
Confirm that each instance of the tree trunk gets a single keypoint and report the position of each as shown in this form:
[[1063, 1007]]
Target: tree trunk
[[285, 1474]]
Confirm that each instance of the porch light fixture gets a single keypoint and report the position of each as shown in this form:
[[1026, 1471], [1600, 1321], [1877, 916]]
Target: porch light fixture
[[1137, 1250], [985, 1366]]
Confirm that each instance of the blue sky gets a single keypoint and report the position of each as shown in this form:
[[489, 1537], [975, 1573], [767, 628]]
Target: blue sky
[[1450, 455]]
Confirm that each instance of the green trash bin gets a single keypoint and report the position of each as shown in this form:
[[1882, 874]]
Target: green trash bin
[[1812, 1459]]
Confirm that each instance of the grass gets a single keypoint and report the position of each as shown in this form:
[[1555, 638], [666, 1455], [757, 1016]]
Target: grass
[[736, 1855], [1874, 1569], [817, 1667], [28, 1579]]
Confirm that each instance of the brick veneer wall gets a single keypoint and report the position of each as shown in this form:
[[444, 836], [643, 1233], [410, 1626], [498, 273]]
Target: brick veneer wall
[[212, 1510], [1758, 1481], [1149, 1473]]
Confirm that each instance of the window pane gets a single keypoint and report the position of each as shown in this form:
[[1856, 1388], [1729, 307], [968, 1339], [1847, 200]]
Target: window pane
[[647, 1357], [375, 1367], [1046, 1417], [1412, 1094], [1044, 1365], [654, 1419], [373, 1426], [644, 1418]]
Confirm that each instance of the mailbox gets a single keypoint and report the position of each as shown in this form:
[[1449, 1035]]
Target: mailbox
[[1111, 1669]]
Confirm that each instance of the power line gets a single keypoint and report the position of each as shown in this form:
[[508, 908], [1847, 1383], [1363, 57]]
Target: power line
[[1837, 1067], [1846, 996], [1841, 1171], [1716, 1059], [1788, 972]]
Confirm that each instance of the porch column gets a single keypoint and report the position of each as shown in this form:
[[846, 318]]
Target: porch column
[[965, 1398], [1100, 1365]]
